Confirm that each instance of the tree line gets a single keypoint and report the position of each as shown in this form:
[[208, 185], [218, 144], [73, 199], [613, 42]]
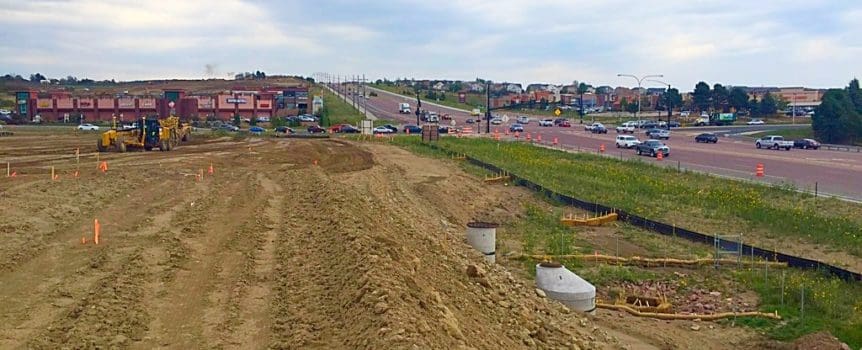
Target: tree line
[[838, 118]]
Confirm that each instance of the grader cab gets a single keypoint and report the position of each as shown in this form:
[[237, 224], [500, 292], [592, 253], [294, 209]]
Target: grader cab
[[147, 135]]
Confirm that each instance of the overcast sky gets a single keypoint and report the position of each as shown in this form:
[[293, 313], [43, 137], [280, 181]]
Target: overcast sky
[[755, 43]]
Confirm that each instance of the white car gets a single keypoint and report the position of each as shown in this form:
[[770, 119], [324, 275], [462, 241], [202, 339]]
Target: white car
[[307, 118], [382, 130], [523, 119], [756, 122], [546, 122], [684, 113], [496, 121], [263, 119], [627, 141], [88, 127]]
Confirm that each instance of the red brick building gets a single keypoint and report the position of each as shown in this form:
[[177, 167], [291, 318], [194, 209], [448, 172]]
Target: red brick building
[[270, 102]]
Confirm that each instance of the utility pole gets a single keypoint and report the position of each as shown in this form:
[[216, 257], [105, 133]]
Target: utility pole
[[669, 103], [487, 107]]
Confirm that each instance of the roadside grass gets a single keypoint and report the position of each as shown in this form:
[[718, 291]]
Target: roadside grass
[[829, 304], [472, 100], [789, 134], [335, 110], [704, 203]]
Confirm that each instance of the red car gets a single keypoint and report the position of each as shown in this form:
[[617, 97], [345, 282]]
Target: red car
[[565, 124], [316, 129]]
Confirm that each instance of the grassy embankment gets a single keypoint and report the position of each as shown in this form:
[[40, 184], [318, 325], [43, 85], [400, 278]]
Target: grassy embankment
[[699, 202], [789, 134]]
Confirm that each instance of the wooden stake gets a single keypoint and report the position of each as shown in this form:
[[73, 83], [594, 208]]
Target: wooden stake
[[97, 228]]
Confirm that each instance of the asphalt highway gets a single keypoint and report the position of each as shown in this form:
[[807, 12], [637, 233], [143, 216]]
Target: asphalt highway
[[837, 173]]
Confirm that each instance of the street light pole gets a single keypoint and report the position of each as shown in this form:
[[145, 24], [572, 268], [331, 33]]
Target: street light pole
[[639, 80]]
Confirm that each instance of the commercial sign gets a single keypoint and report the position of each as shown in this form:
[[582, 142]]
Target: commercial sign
[[725, 116], [44, 103], [85, 103], [126, 103], [462, 97], [236, 100]]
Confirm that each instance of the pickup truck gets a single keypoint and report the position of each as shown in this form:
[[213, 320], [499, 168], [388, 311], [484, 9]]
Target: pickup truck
[[627, 128], [773, 141]]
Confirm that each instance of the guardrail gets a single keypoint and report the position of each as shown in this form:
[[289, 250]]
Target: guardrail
[[830, 147], [665, 229]]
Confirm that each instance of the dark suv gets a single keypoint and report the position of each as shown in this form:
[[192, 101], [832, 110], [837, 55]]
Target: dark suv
[[706, 137]]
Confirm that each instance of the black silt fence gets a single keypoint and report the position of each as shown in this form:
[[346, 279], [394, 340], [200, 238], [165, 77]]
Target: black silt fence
[[665, 229]]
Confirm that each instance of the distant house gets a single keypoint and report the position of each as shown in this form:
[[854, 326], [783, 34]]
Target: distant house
[[537, 87], [514, 88], [475, 87], [439, 86]]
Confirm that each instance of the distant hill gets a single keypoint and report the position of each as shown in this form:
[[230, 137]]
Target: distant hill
[[148, 87]]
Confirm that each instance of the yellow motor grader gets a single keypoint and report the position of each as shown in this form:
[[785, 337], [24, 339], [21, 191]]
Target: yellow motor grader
[[148, 134]]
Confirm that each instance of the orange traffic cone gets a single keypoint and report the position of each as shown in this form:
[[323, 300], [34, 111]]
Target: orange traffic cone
[[660, 155], [602, 148], [758, 171], [211, 170], [555, 141]]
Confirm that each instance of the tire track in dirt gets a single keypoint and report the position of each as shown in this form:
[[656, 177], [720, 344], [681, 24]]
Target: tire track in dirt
[[253, 327], [300, 317], [235, 272], [110, 316], [182, 304], [68, 270]]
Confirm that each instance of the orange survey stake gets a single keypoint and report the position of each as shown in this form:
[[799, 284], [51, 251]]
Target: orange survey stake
[[97, 228]]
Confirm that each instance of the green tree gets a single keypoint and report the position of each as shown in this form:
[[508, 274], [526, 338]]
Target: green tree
[[670, 99], [738, 98], [720, 97], [835, 119], [701, 96], [456, 86], [768, 105], [236, 120], [781, 103], [253, 120], [631, 108], [582, 89], [855, 95]]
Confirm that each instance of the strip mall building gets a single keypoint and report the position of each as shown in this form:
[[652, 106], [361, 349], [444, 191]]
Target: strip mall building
[[269, 102]]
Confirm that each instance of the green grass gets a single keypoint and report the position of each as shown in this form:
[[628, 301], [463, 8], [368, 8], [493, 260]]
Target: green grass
[[472, 100], [694, 201], [789, 134], [830, 304], [336, 111]]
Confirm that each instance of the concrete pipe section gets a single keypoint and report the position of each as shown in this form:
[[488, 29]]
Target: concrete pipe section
[[566, 287], [482, 236]]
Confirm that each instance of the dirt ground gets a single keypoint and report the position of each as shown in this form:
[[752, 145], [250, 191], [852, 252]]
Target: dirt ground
[[289, 244]]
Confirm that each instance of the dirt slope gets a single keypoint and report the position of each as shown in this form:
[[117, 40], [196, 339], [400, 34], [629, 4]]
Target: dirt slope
[[271, 251]]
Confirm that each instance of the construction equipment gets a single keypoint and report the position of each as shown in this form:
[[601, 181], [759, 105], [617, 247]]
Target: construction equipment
[[178, 130], [147, 135]]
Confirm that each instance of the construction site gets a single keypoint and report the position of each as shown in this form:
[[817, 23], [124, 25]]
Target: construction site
[[248, 242]]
